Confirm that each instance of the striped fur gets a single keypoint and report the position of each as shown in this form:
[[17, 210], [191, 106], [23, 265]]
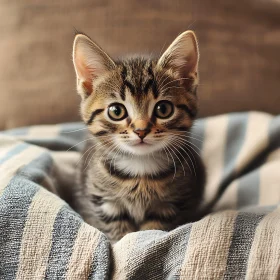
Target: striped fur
[[128, 183]]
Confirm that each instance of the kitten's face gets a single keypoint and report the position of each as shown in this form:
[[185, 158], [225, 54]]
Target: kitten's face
[[138, 105]]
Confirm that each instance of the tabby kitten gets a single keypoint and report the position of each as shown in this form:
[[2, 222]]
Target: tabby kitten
[[138, 171]]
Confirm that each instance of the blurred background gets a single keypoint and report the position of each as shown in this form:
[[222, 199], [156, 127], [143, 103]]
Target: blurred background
[[239, 46]]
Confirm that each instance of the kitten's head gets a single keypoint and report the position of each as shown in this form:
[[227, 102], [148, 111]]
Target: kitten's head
[[139, 104]]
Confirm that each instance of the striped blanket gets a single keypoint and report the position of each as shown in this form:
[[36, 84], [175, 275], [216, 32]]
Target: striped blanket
[[41, 237]]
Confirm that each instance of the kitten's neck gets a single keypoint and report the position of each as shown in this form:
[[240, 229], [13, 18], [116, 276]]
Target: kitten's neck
[[142, 165]]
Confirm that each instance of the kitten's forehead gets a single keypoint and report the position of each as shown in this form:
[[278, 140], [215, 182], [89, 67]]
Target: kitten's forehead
[[137, 68], [140, 107], [138, 78]]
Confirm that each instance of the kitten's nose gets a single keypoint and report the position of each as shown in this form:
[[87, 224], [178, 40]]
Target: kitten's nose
[[141, 128], [142, 133]]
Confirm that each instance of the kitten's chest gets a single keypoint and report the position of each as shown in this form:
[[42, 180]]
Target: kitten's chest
[[142, 196], [147, 179]]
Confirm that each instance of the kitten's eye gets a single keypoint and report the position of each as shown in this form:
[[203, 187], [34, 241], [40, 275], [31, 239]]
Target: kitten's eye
[[117, 112], [164, 109]]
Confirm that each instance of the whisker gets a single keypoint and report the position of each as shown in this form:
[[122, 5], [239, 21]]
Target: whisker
[[114, 157], [180, 146], [74, 130], [192, 23], [197, 137], [164, 144], [78, 144], [116, 146], [175, 170], [188, 145], [112, 85], [90, 148], [178, 158], [187, 137], [165, 89], [102, 145], [161, 83], [97, 145], [175, 81], [119, 151]]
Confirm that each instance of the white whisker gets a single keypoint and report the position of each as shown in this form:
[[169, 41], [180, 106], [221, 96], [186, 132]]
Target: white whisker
[[175, 170], [180, 146], [74, 130], [178, 157], [78, 144]]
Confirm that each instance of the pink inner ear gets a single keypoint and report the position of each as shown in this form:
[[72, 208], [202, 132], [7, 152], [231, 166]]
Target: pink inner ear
[[85, 73]]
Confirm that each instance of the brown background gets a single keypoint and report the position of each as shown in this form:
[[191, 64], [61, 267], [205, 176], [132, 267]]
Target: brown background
[[239, 45]]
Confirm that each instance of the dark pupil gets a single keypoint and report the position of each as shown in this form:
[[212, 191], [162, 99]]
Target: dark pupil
[[117, 110], [163, 109]]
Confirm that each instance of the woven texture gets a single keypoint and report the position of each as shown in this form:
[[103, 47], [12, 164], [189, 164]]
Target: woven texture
[[43, 238]]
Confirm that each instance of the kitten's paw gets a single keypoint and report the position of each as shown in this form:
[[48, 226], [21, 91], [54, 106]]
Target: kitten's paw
[[153, 225]]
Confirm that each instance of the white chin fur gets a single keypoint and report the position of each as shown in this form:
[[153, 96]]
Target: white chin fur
[[141, 165], [139, 160], [141, 149]]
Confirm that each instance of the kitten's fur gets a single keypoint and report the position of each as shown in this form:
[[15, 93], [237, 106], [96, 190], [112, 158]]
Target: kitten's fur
[[140, 172]]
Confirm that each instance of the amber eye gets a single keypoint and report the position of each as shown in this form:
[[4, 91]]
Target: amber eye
[[164, 109], [117, 112]]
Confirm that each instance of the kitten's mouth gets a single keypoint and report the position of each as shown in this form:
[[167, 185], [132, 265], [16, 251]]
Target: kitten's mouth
[[141, 143], [139, 147]]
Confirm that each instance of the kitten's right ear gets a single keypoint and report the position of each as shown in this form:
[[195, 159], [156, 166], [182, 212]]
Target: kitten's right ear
[[182, 57], [90, 63]]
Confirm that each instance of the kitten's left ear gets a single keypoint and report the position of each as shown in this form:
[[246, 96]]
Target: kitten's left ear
[[90, 63], [182, 56]]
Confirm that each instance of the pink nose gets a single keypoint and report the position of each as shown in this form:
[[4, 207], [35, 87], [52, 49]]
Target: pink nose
[[142, 133]]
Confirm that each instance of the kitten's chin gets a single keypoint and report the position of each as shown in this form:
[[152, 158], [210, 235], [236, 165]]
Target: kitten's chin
[[141, 149]]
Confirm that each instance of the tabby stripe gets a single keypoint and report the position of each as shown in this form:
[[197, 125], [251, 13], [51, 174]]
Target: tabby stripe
[[98, 187], [109, 126], [164, 174], [122, 92], [126, 176], [123, 75], [186, 109], [148, 85], [172, 123], [181, 128], [134, 188], [117, 173], [97, 200], [130, 86], [94, 114], [101, 133], [109, 219], [154, 84]]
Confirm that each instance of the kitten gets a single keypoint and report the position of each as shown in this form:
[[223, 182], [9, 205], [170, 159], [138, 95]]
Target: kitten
[[138, 170]]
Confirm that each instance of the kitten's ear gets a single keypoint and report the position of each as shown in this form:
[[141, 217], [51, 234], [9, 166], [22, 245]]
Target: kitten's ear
[[90, 63], [182, 56]]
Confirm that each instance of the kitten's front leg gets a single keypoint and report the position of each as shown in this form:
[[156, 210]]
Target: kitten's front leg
[[115, 230], [156, 225]]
